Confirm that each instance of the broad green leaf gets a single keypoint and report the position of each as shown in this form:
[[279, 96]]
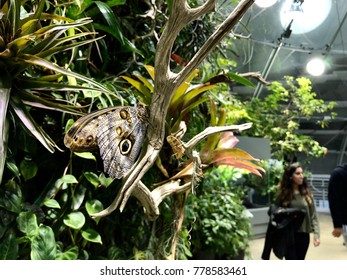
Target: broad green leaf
[[52, 203], [91, 235], [10, 201], [240, 79], [13, 168], [43, 246], [115, 253], [28, 169], [105, 181], [75, 220], [9, 247], [78, 196], [69, 179], [27, 223], [92, 178], [86, 155], [91, 93], [71, 254], [94, 206], [68, 125]]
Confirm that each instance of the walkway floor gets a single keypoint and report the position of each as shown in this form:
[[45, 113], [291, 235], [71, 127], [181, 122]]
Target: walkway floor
[[331, 248]]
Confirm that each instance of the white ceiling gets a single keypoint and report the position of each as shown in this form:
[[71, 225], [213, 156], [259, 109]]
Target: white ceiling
[[269, 51]]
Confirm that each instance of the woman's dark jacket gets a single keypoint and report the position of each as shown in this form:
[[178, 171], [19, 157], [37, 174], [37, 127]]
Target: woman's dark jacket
[[283, 224], [337, 195]]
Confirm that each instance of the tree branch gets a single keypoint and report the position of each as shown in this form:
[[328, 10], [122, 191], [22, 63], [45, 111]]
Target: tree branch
[[166, 83]]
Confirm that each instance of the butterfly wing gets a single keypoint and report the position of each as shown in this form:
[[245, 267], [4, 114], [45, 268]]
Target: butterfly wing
[[81, 137], [120, 136]]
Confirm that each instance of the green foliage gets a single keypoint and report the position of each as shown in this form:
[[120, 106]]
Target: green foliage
[[277, 117], [47, 216], [219, 220], [30, 72]]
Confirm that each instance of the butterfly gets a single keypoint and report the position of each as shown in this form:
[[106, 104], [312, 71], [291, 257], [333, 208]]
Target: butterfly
[[117, 132]]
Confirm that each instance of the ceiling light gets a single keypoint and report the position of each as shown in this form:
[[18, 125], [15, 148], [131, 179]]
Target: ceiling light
[[315, 67], [306, 14], [265, 3]]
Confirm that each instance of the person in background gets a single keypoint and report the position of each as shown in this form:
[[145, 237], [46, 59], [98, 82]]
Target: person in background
[[295, 193], [337, 196]]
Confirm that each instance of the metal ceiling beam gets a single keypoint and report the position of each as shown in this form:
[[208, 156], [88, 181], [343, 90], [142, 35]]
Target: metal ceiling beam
[[343, 149], [267, 68], [336, 33]]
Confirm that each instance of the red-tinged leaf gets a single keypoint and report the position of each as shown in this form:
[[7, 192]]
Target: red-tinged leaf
[[227, 140], [176, 58], [236, 153], [186, 171], [242, 165]]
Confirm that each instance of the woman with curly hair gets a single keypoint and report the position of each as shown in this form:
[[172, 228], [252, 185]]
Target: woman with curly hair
[[294, 193]]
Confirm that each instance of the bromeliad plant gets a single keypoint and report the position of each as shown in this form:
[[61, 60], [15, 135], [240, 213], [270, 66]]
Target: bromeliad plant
[[186, 98], [194, 159], [30, 75]]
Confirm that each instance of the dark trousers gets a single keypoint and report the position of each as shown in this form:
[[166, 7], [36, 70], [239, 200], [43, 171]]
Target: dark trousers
[[298, 250]]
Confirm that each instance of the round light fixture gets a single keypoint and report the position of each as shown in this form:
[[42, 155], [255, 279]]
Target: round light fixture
[[307, 15], [265, 3], [315, 67]]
